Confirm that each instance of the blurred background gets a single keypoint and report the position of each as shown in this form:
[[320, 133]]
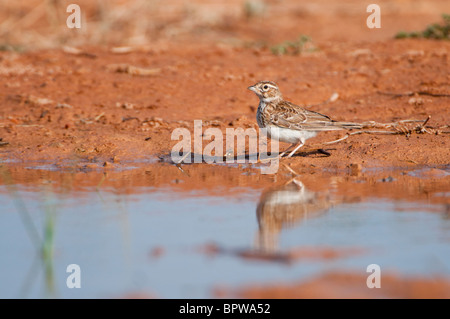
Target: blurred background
[[37, 24]]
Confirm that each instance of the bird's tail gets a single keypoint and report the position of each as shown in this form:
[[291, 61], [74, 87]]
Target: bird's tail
[[349, 125], [334, 126]]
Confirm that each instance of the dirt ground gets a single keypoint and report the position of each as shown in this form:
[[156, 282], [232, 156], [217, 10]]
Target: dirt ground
[[59, 104], [111, 98]]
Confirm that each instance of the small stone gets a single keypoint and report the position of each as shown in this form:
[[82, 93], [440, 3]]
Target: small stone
[[415, 101], [128, 106], [63, 105]]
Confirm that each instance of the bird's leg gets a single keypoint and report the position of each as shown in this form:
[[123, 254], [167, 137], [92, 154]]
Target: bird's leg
[[298, 183], [282, 154], [300, 144]]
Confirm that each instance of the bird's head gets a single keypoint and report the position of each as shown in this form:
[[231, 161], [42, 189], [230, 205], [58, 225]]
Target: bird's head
[[267, 91]]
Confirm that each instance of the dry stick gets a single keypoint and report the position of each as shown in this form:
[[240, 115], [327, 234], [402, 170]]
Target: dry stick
[[178, 165], [291, 170], [182, 159], [361, 132], [98, 117], [442, 127], [182, 170], [412, 121], [395, 125], [373, 124]]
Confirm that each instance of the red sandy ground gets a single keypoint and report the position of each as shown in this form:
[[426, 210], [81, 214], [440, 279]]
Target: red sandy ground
[[209, 83], [202, 69], [75, 111]]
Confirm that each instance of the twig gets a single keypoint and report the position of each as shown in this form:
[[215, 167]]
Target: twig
[[98, 117], [398, 127], [361, 132], [291, 170], [182, 159], [338, 140], [178, 164], [75, 51], [182, 170]]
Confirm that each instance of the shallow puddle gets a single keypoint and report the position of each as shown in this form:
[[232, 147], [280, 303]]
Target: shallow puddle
[[156, 231]]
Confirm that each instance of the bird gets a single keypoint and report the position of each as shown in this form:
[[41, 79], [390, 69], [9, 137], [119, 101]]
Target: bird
[[288, 122], [286, 206]]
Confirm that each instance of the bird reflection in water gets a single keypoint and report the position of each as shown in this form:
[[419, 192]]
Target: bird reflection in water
[[284, 207]]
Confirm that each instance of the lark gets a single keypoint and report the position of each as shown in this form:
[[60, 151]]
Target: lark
[[288, 122], [284, 206]]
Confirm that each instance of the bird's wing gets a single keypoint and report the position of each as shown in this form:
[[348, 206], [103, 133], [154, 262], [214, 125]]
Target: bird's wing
[[289, 115]]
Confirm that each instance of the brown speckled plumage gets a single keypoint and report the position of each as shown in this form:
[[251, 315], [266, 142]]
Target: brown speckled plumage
[[289, 122]]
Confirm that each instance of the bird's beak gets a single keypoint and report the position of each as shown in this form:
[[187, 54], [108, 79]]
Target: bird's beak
[[252, 88]]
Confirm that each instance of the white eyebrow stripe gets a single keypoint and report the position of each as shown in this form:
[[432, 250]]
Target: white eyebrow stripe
[[272, 86]]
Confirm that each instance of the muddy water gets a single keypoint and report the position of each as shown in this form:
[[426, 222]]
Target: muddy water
[[156, 231]]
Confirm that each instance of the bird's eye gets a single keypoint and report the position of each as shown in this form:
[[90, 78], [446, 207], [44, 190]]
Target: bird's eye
[[265, 87]]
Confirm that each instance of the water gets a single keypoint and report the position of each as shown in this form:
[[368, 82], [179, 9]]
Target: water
[[151, 240]]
